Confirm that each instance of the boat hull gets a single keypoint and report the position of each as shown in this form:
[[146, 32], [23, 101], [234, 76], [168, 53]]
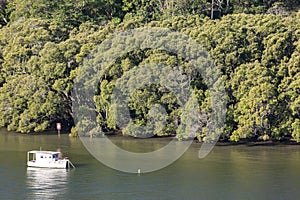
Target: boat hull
[[59, 164]]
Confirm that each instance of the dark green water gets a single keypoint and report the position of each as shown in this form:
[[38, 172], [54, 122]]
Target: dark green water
[[231, 172]]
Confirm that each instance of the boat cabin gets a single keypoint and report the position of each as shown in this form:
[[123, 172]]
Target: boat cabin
[[49, 159], [41, 156]]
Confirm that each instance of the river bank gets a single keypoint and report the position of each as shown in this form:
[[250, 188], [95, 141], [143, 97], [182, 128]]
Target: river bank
[[164, 139]]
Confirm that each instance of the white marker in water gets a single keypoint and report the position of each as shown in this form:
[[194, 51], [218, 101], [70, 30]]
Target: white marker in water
[[139, 171]]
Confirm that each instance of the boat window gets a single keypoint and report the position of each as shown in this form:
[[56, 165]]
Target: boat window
[[41, 156], [55, 156]]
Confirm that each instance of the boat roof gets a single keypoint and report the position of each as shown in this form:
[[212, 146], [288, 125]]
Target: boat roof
[[44, 152]]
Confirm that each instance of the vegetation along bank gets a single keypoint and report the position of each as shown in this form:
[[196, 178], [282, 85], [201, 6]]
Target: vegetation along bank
[[255, 44]]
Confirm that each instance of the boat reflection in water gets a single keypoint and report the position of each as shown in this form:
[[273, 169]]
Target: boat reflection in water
[[44, 183]]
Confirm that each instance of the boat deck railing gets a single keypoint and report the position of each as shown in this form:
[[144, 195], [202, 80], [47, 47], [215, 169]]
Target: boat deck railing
[[71, 164]]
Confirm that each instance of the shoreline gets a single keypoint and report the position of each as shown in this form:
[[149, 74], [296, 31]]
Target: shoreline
[[259, 143], [249, 143]]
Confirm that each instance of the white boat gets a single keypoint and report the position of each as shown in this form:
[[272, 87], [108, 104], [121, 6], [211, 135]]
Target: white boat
[[48, 159]]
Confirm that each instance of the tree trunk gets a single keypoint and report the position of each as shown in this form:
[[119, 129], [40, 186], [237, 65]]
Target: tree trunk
[[212, 9]]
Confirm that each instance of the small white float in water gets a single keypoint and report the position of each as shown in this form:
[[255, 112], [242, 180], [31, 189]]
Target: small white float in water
[[48, 159]]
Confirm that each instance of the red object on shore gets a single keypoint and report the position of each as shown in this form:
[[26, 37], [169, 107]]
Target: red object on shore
[[58, 126]]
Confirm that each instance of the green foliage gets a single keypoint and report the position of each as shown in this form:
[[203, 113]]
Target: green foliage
[[296, 130], [3, 13], [256, 101], [66, 13], [43, 45], [27, 104], [73, 132]]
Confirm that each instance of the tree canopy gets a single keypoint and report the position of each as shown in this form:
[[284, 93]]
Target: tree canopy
[[254, 43]]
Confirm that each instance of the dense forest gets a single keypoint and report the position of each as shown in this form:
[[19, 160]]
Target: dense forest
[[254, 43]]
